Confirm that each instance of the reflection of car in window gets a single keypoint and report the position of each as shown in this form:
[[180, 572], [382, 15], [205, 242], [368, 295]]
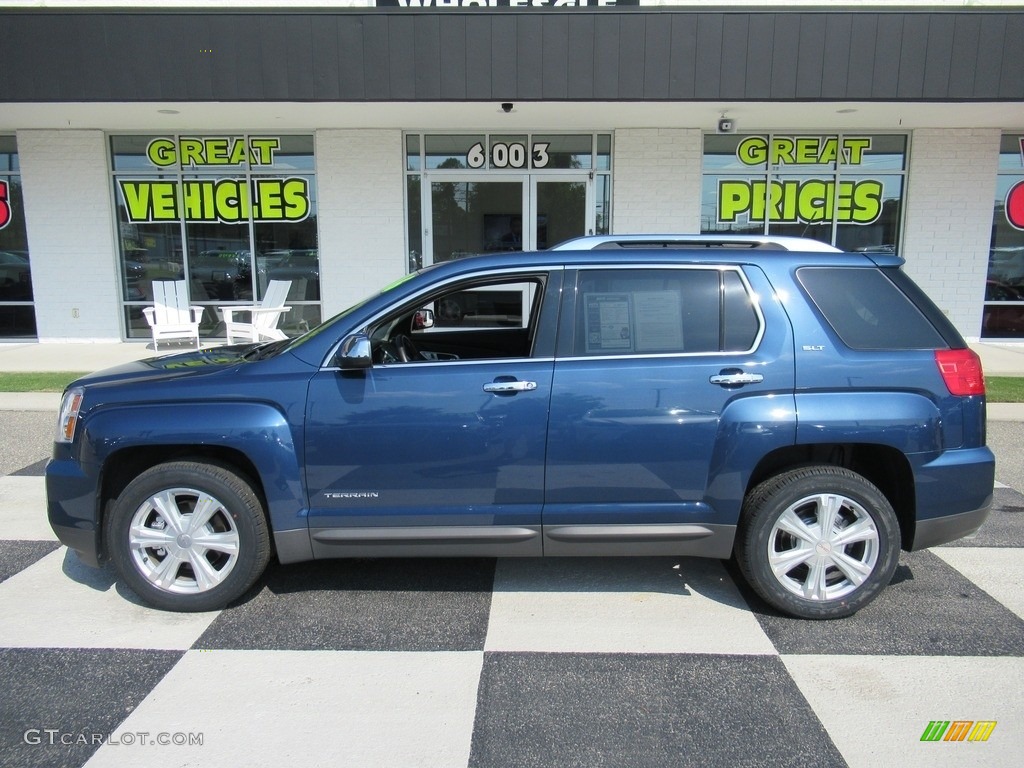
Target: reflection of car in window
[[302, 268], [222, 274]]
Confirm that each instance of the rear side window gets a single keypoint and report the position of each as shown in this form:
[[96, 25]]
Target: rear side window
[[867, 310], [663, 311]]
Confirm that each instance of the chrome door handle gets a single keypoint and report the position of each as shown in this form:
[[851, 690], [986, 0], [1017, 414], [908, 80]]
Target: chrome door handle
[[736, 379], [507, 387]]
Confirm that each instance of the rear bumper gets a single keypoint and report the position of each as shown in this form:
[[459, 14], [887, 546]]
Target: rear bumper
[[954, 493], [940, 530], [71, 506]]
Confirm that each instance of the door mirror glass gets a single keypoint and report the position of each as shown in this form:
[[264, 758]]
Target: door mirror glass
[[355, 353], [423, 319]]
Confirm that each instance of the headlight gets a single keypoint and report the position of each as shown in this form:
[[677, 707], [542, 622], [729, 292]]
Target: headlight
[[68, 420]]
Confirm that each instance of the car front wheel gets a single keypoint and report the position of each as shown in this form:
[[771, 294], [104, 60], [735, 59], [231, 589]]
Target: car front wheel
[[818, 542], [188, 536]]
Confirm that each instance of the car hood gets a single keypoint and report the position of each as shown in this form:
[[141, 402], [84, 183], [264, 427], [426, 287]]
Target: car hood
[[183, 364]]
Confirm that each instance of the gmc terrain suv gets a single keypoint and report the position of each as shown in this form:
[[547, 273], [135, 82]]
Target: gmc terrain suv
[[806, 411]]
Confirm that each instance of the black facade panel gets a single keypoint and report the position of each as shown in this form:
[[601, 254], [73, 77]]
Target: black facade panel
[[452, 57], [862, 46], [605, 54], [735, 44], [683, 63], [581, 51], [1011, 75], [555, 57], [835, 75], [299, 62], [708, 81], [403, 76], [351, 73], [632, 54], [785, 58], [225, 60], [913, 57], [810, 67], [886, 71], [759, 56], [477, 43], [376, 56], [529, 58], [273, 42], [992, 36], [607, 60], [962, 71], [326, 50], [939, 56], [504, 57], [658, 62]]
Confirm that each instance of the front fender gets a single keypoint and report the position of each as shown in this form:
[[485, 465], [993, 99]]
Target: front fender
[[258, 431]]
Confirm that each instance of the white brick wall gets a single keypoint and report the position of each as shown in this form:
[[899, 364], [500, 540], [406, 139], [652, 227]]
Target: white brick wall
[[70, 235], [656, 180], [360, 182], [948, 224]]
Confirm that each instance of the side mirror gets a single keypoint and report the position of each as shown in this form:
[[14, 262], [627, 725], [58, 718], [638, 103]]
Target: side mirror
[[355, 353], [423, 318]]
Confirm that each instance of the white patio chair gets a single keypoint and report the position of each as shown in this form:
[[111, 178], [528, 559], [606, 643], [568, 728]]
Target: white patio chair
[[171, 317], [262, 325]]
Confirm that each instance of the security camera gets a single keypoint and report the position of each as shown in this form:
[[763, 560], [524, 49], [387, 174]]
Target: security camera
[[506, 106], [726, 125]]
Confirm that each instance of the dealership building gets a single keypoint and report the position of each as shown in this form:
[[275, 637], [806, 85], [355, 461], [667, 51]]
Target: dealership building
[[339, 145]]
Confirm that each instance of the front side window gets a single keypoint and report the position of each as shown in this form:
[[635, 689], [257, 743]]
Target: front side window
[[663, 311], [17, 311], [483, 319], [842, 189], [1004, 290], [227, 213]]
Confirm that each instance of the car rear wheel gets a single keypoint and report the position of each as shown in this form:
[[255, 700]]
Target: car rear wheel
[[188, 536], [818, 542]]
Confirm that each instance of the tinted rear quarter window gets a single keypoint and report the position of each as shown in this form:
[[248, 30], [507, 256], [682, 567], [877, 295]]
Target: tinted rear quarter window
[[867, 310]]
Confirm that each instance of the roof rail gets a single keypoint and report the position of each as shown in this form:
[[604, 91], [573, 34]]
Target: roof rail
[[764, 242]]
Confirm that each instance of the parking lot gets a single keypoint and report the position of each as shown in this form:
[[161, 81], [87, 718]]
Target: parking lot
[[614, 662]]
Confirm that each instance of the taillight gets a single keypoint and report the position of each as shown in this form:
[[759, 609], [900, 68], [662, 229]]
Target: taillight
[[961, 370], [68, 419]]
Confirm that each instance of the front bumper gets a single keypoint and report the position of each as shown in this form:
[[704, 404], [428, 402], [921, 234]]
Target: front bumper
[[73, 509]]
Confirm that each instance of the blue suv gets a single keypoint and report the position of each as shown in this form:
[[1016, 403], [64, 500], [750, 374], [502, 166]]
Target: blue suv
[[806, 411]]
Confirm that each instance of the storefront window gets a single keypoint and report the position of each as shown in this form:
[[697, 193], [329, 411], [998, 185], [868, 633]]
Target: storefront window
[[17, 312], [227, 213], [843, 189], [1004, 290]]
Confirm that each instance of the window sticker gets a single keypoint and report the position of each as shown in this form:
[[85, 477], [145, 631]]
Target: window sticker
[[608, 323], [659, 321]]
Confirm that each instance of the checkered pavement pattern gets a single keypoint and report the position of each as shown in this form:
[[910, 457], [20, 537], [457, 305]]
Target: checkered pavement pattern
[[562, 662]]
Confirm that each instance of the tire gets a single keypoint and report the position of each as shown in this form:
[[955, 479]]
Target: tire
[[788, 561], [167, 558]]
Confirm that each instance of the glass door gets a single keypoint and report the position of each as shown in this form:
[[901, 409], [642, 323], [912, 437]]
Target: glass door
[[562, 209], [468, 215], [475, 217]]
